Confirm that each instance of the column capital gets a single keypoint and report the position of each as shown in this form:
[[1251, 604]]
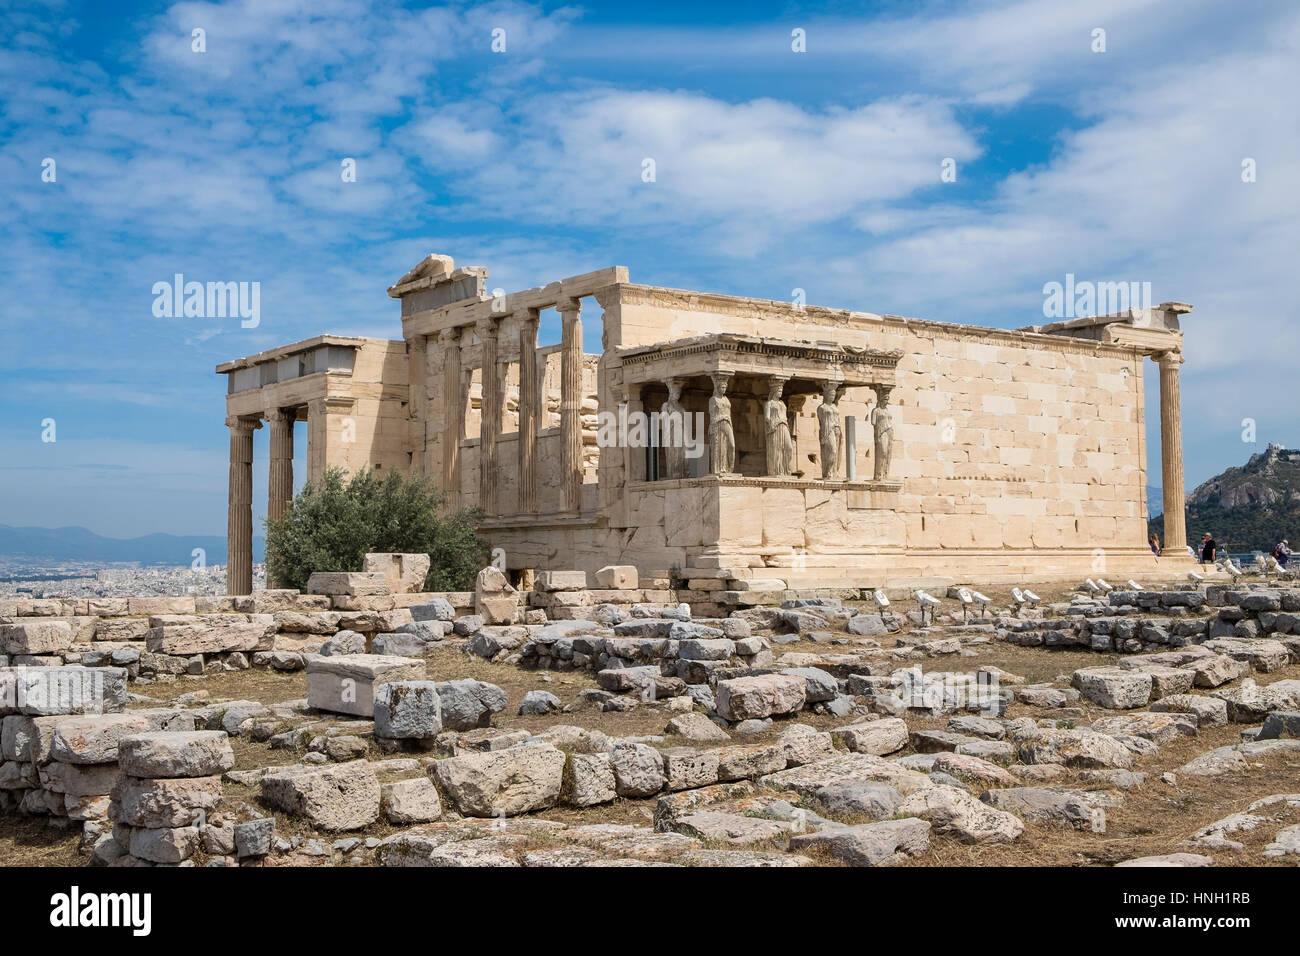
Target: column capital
[[776, 385], [447, 336], [568, 306], [241, 424], [487, 325], [1171, 359], [277, 416], [530, 317]]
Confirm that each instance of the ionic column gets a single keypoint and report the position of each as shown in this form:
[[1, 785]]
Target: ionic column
[[280, 474], [530, 409], [490, 420], [1171, 454], [453, 415], [239, 523], [571, 403]]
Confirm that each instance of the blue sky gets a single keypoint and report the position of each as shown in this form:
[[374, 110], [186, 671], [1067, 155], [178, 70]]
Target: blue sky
[[775, 170]]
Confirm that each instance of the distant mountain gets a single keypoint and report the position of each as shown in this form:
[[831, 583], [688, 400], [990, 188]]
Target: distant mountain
[[81, 545], [1155, 499], [1247, 508]]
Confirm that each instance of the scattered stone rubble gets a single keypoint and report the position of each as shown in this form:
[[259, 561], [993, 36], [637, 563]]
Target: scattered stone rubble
[[735, 777]]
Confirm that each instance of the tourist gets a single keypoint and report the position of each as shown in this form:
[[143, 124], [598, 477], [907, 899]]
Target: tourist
[[1282, 552], [1208, 547], [1155, 545]]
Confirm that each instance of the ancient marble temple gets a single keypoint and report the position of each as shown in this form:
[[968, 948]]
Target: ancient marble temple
[[839, 448]]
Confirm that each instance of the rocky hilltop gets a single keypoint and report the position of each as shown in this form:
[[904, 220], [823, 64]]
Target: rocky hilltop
[[1248, 508]]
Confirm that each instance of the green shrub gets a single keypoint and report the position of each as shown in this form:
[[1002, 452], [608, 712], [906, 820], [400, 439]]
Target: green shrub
[[333, 525]]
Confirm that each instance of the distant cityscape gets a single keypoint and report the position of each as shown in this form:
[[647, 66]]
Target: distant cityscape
[[24, 578]]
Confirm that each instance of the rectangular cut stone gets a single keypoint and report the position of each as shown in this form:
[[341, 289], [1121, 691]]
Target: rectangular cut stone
[[348, 583], [346, 683], [405, 573], [35, 637], [45, 691], [620, 577], [149, 606], [107, 606], [561, 580], [187, 639], [121, 629]]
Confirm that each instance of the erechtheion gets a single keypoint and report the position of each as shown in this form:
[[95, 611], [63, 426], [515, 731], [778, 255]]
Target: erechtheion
[[835, 448]]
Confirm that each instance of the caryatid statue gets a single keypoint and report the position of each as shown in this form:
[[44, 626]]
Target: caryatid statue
[[883, 423], [722, 439], [830, 432], [780, 446], [672, 421]]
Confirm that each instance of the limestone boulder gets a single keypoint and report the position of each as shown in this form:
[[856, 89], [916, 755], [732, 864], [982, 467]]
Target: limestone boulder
[[697, 728], [1047, 805], [174, 802], [196, 753], [638, 770], [346, 683], [505, 782], [333, 797], [348, 583], [35, 637], [469, 704], [956, 813], [94, 739], [410, 801], [766, 695], [1113, 687], [885, 736], [1208, 711], [344, 642], [617, 577], [1081, 748], [860, 798], [870, 844], [408, 710], [404, 573], [592, 780]]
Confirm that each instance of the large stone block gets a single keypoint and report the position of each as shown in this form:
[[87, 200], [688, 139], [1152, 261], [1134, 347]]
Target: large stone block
[[164, 845], [742, 698], [869, 844], [95, 739], [408, 710], [410, 801], [94, 780], [337, 797], [35, 637], [468, 704], [591, 780], [505, 782], [404, 573], [178, 802], [348, 583], [620, 577], [195, 753], [561, 580], [346, 683], [439, 609], [184, 640], [1113, 688], [42, 691]]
